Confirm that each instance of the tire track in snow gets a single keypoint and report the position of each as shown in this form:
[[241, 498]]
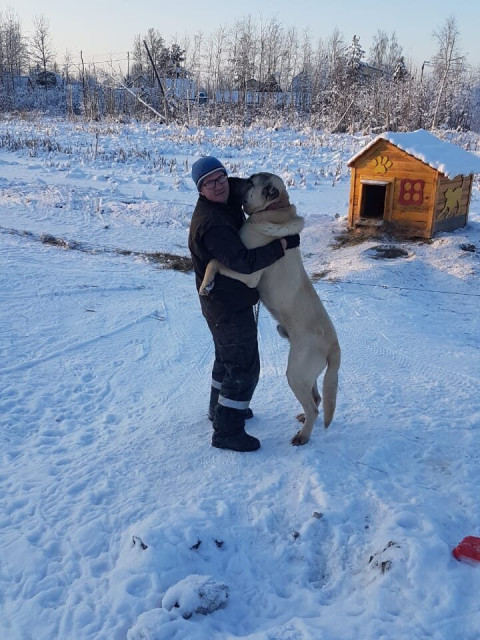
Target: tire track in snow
[[364, 338], [198, 350], [155, 314], [87, 289]]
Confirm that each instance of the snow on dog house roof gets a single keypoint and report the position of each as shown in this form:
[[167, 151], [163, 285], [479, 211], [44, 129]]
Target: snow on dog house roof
[[445, 157]]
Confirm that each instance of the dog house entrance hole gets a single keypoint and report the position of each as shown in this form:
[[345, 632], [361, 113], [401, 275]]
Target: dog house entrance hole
[[374, 196]]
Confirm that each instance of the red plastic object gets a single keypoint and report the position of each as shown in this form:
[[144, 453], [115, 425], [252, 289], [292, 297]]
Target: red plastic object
[[468, 550]]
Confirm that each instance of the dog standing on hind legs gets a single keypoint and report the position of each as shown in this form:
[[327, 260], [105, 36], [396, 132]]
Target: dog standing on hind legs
[[287, 292]]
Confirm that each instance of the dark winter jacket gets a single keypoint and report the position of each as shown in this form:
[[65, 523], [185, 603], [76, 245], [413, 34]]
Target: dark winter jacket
[[214, 234]]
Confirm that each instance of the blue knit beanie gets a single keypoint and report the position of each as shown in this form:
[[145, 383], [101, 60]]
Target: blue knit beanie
[[204, 167]]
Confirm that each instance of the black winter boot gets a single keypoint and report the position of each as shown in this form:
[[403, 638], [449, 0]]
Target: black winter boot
[[229, 431], [214, 393]]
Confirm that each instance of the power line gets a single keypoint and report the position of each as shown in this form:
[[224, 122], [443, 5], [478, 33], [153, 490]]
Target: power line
[[387, 286]]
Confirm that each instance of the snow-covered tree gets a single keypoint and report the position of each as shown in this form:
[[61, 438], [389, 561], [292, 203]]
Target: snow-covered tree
[[400, 72], [354, 55]]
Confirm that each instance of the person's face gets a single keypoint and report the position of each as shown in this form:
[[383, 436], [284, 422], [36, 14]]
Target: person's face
[[215, 187]]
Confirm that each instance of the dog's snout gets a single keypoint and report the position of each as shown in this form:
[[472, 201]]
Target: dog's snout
[[247, 188]]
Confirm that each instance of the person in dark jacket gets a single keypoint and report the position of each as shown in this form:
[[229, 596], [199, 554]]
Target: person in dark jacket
[[228, 309]]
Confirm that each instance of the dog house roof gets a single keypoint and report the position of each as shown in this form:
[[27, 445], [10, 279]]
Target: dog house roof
[[443, 156]]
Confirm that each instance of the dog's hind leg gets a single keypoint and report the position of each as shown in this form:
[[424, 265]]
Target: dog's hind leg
[[316, 398], [303, 383], [310, 411]]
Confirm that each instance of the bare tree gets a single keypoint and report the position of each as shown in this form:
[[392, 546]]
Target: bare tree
[[243, 47], [41, 48], [67, 78], [319, 80], [13, 49], [67, 66], [271, 41], [294, 61], [216, 51], [449, 64], [220, 53], [193, 55], [337, 100], [385, 52]]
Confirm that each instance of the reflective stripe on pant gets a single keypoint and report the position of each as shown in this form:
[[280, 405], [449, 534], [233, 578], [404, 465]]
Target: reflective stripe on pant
[[237, 365], [215, 398]]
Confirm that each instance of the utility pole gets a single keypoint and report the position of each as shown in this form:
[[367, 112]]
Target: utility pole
[[165, 104], [423, 67]]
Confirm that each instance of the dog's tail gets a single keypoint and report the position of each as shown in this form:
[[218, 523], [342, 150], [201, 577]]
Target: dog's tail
[[330, 384]]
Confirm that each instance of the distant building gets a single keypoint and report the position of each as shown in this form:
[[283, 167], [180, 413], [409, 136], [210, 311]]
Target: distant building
[[16, 80], [302, 90], [181, 87]]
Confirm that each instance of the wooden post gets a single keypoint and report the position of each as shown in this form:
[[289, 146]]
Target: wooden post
[[353, 178]]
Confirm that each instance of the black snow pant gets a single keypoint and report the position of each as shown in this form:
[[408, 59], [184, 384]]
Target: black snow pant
[[237, 364]]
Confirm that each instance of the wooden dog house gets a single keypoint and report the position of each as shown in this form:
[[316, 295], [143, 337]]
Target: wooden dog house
[[413, 183]]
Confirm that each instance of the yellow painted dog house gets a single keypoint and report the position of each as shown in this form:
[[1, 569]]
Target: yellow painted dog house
[[413, 183]]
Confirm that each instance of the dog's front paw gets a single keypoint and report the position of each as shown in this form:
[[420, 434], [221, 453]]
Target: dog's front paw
[[299, 439]]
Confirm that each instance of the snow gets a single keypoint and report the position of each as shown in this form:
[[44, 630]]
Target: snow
[[195, 594], [113, 504], [450, 159]]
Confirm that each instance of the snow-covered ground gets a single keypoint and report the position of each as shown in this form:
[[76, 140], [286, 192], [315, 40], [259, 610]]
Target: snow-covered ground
[[118, 519]]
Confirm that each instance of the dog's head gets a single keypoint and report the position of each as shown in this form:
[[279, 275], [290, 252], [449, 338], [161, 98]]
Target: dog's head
[[264, 192], [239, 187]]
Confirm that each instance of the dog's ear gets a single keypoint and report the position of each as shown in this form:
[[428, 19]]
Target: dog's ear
[[239, 187], [270, 192]]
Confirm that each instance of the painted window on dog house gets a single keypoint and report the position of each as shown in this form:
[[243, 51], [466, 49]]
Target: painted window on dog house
[[411, 192]]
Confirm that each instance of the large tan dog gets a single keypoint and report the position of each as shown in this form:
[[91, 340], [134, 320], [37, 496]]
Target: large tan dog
[[288, 294]]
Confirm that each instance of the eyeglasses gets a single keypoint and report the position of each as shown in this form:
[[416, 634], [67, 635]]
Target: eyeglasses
[[211, 184]]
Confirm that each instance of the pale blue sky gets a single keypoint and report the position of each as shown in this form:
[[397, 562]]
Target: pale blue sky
[[101, 27]]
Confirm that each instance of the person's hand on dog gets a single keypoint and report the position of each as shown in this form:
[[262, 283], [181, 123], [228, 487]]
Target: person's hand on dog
[[290, 242]]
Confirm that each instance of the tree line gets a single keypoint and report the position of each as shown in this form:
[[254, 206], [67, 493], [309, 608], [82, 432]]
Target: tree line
[[253, 71]]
